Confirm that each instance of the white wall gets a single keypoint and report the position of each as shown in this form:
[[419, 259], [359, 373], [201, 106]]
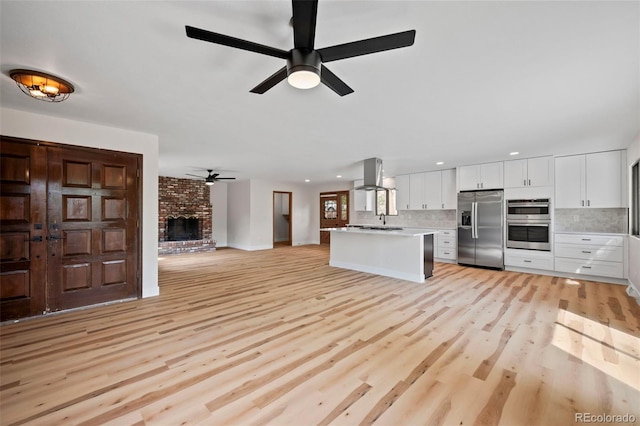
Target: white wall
[[250, 213], [52, 129], [219, 211], [239, 215], [633, 155]]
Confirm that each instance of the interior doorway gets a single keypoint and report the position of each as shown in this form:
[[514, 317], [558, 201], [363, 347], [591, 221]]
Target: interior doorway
[[334, 212], [282, 206]]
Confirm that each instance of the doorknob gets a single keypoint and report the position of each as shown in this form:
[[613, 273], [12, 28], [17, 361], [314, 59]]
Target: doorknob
[[55, 238]]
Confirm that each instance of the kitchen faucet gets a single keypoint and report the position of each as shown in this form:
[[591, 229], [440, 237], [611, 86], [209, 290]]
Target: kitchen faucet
[[383, 218]]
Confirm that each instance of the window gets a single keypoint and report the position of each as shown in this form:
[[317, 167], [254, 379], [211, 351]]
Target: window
[[386, 202], [635, 199]]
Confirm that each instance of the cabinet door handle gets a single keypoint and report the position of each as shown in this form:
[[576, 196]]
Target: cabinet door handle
[[525, 182], [582, 203], [443, 205], [529, 182], [481, 185], [588, 203], [477, 185]]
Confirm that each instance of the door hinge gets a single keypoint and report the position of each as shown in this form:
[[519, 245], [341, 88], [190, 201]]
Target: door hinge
[[137, 173]]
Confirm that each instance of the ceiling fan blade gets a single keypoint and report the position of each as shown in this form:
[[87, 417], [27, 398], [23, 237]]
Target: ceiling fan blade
[[271, 81], [304, 23], [214, 175], [225, 178], [333, 82], [365, 47], [201, 177], [238, 43]]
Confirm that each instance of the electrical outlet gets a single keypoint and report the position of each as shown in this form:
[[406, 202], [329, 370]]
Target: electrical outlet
[[576, 218]]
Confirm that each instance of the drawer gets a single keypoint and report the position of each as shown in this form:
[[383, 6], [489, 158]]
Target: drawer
[[591, 267], [529, 262], [606, 253], [445, 253], [595, 240], [447, 242], [448, 233]]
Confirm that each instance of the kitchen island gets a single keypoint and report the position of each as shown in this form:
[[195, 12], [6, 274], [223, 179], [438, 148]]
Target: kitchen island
[[404, 253]]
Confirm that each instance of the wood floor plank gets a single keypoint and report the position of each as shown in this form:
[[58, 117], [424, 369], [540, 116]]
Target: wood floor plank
[[279, 337]]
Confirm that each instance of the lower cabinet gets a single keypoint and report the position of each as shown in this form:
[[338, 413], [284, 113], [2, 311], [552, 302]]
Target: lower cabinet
[[590, 254], [532, 259], [447, 245]]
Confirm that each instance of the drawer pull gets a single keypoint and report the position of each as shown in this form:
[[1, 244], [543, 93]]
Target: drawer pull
[[586, 251], [587, 267], [446, 252], [586, 239], [526, 261]]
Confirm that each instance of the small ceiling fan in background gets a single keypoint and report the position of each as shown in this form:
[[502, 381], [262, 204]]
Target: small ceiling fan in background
[[305, 68], [212, 178]]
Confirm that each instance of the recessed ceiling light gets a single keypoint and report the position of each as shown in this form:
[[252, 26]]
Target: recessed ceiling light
[[307, 180], [514, 153], [339, 176], [440, 163]]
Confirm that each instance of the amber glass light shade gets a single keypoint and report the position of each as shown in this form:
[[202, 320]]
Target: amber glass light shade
[[42, 86]]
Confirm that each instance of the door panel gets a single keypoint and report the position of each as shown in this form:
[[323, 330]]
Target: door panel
[[466, 244], [490, 239], [22, 229], [334, 212], [93, 215]]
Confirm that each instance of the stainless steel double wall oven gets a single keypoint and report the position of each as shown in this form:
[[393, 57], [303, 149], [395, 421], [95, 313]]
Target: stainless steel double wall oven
[[529, 224]]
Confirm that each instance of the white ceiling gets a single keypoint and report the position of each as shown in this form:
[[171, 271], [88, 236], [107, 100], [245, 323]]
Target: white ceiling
[[483, 78]]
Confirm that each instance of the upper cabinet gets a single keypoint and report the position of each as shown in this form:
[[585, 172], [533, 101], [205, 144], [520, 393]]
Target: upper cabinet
[[481, 176], [402, 192], [363, 201], [427, 191], [528, 172], [591, 180]]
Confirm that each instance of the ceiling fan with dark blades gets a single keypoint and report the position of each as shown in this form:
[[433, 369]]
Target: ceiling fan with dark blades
[[305, 64], [212, 178]]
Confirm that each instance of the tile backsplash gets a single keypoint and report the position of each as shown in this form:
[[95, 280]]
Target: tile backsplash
[[442, 219], [592, 220]]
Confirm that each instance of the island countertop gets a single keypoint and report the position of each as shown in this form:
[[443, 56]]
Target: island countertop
[[381, 230]]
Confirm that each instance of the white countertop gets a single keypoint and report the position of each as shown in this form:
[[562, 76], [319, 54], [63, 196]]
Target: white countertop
[[404, 232], [617, 234]]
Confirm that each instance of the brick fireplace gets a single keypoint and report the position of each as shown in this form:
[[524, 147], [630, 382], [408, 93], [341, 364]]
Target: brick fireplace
[[184, 216]]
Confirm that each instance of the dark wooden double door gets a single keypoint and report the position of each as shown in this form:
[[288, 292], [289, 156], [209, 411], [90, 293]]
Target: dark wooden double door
[[69, 227]]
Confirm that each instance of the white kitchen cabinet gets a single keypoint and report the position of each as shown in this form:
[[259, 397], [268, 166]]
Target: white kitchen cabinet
[[530, 259], [449, 195], [446, 247], [529, 172], [591, 180], [481, 176], [433, 190], [417, 191], [363, 201], [590, 254], [430, 190], [402, 192]]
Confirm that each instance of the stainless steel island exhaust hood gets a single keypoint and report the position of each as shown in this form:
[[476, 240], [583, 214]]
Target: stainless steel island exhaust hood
[[372, 175]]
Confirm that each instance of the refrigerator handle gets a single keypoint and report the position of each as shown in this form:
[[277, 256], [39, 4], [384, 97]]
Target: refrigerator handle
[[474, 219]]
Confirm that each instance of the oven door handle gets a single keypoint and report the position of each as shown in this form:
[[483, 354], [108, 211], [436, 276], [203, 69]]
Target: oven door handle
[[528, 204], [526, 223]]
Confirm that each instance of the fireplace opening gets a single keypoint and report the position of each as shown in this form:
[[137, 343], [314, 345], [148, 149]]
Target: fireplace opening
[[183, 228]]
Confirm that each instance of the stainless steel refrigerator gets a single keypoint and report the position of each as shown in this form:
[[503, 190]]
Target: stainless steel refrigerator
[[480, 228]]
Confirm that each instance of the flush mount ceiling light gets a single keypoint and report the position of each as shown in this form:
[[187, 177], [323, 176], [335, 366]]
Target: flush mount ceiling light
[[42, 86]]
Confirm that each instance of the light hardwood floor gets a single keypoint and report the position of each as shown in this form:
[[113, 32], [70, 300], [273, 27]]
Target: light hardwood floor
[[279, 337]]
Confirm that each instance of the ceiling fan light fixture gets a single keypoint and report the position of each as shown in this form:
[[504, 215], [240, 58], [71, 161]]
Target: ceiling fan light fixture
[[303, 69], [42, 86]]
